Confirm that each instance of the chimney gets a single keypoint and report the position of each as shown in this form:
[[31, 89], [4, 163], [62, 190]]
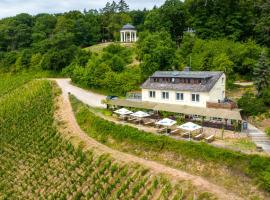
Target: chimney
[[187, 69]]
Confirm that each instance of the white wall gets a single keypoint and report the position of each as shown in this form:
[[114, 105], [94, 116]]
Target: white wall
[[204, 97], [213, 96], [217, 91]]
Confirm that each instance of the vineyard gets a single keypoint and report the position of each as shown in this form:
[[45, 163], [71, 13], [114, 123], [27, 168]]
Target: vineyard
[[36, 163], [11, 82]]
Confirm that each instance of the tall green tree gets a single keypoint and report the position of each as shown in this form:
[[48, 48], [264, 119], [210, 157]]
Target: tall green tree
[[262, 73], [156, 52], [122, 6]]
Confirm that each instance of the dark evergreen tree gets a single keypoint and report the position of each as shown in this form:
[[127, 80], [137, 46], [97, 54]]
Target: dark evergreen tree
[[122, 6], [262, 73]]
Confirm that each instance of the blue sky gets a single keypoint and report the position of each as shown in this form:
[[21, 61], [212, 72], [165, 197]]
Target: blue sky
[[13, 7]]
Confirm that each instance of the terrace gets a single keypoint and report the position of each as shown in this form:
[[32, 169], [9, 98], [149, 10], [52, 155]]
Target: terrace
[[228, 119]]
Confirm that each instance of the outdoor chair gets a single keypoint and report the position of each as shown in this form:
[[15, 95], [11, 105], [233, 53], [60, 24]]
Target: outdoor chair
[[210, 138], [132, 119], [199, 137], [161, 130], [185, 135], [148, 123], [137, 121], [174, 131]]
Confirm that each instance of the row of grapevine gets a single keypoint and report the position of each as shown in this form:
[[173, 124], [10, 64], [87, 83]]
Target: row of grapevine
[[10, 82], [36, 163]]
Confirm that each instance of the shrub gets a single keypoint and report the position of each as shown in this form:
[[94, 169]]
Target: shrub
[[251, 105]]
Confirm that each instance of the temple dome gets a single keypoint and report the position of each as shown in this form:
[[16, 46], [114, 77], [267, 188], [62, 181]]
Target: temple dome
[[128, 27]]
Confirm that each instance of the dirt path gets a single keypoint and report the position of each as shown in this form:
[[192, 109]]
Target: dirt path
[[71, 130]]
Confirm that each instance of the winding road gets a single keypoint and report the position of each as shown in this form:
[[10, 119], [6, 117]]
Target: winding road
[[87, 97]]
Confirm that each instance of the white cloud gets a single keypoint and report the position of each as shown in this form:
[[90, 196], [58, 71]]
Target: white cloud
[[13, 7]]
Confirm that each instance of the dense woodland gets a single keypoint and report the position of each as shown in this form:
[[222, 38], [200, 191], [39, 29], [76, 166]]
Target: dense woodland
[[232, 36]]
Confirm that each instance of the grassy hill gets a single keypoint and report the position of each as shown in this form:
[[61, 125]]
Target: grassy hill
[[37, 163], [99, 47]]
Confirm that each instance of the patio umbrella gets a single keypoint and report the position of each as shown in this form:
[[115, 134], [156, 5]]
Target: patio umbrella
[[140, 114], [123, 111], [189, 126], [166, 122]]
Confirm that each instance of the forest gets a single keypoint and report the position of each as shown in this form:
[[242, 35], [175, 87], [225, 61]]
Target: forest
[[231, 36]]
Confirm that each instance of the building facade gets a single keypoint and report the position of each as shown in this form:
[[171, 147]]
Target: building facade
[[190, 88]]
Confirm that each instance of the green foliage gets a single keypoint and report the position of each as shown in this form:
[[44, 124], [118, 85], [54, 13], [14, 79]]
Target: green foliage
[[251, 105], [107, 71], [262, 74], [265, 95], [267, 130], [163, 19], [225, 55], [254, 166], [156, 51]]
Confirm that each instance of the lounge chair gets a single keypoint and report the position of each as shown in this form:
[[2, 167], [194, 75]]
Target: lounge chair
[[161, 130], [186, 135], [210, 138], [148, 123], [137, 121], [132, 119], [199, 137], [174, 131]]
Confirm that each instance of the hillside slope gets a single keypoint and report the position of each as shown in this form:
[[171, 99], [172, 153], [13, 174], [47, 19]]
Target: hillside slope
[[37, 163]]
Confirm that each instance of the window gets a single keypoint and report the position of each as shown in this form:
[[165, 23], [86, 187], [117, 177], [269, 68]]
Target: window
[[152, 94], [222, 80], [195, 97], [179, 96], [165, 95]]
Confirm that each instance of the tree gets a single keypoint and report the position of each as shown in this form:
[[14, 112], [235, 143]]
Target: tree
[[156, 51], [122, 6], [262, 27], [262, 73], [250, 105], [174, 17], [223, 63]]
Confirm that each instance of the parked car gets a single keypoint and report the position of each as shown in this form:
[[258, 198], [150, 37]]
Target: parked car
[[111, 97]]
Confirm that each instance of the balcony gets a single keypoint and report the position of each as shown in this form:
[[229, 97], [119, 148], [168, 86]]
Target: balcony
[[227, 104]]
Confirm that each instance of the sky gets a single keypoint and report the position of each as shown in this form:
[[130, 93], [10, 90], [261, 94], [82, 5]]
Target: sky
[[13, 7]]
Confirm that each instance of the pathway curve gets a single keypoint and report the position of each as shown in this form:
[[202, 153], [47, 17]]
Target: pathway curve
[[72, 130], [259, 137], [87, 97]]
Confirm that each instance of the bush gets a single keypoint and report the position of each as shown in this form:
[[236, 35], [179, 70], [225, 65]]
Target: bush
[[251, 105]]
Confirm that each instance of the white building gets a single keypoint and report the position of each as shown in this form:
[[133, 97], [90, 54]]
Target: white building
[[190, 88], [198, 95], [128, 34]]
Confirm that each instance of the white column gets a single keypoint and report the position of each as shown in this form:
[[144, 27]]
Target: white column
[[129, 36], [135, 36], [124, 36], [121, 36]]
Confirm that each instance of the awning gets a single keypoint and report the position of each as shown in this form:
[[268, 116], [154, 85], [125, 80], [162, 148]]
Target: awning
[[175, 108]]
